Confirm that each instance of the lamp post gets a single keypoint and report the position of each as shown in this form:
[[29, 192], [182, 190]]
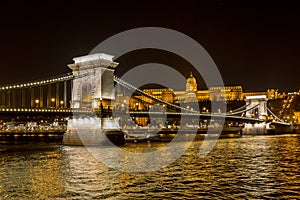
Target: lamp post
[[61, 104], [52, 102], [37, 102], [137, 106]]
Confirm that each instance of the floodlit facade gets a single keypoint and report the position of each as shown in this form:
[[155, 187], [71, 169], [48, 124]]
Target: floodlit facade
[[227, 93], [192, 94]]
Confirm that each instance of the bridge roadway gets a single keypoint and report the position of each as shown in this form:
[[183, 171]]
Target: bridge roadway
[[195, 115], [88, 112]]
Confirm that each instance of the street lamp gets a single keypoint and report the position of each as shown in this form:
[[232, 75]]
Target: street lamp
[[137, 106]]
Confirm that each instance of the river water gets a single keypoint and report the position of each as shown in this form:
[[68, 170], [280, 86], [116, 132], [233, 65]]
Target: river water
[[253, 167]]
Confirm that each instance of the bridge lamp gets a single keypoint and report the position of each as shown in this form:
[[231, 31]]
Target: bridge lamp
[[52, 102], [37, 102], [61, 103]]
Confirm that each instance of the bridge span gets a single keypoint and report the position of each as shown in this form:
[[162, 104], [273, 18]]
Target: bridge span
[[89, 91]]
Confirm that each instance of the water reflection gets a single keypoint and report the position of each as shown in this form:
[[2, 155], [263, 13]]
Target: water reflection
[[261, 167], [31, 172]]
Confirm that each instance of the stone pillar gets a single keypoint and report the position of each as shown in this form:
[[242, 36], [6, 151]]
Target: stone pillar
[[2, 100], [49, 96], [9, 98], [41, 97], [23, 93], [32, 97], [65, 94], [57, 95]]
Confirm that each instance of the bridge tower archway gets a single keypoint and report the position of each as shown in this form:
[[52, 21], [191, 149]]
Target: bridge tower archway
[[93, 80], [259, 105]]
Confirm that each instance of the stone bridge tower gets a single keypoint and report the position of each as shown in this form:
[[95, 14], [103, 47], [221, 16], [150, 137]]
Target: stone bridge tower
[[261, 110], [93, 80]]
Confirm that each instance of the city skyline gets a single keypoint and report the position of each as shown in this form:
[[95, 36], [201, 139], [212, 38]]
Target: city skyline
[[253, 44]]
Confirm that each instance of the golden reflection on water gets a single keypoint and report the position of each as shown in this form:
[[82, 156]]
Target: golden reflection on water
[[262, 167], [34, 173], [45, 177]]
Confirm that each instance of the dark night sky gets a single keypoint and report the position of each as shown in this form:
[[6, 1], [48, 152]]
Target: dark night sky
[[254, 44]]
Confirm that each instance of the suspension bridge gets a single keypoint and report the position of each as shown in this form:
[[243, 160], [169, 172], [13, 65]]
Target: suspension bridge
[[90, 90]]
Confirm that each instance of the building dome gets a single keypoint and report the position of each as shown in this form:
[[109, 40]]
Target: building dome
[[191, 79], [191, 84]]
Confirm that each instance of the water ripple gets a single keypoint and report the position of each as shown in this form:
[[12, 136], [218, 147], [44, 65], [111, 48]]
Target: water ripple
[[261, 167]]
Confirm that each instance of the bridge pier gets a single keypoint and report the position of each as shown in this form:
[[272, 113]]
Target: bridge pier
[[92, 84], [257, 108]]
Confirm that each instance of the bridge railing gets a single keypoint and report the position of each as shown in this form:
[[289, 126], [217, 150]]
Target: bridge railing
[[64, 77]]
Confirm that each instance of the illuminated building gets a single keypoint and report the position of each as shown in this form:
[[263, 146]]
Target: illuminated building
[[270, 93], [165, 94], [227, 93], [296, 117], [191, 84], [191, 94]]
